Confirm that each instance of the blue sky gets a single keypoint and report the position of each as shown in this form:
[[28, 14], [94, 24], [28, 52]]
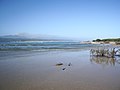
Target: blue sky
[[80, 19]]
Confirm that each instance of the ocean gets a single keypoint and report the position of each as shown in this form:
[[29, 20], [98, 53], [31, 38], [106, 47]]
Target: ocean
[[12, 48], [42, 45], [31, 65]]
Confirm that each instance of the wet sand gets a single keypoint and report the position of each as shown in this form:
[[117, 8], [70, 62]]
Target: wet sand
[[39, 72]]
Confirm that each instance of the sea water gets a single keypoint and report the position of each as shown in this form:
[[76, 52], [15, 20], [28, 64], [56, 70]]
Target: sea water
[[11, 47], [41, 45]]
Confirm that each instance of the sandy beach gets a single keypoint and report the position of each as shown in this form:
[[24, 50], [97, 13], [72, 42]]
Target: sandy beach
[[59, 44], [39, 72]]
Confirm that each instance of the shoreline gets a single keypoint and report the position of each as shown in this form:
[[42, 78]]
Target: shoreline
[[15, 54], [39, 72]]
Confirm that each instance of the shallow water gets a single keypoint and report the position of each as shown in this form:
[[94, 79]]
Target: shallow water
[[39, 72], [42, 45]]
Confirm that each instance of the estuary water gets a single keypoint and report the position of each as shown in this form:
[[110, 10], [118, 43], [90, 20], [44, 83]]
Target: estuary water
[[41, 45], [31, 65], [39, 72]]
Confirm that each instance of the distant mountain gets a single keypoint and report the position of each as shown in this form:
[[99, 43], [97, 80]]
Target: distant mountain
[[11, 36], [29, 37]]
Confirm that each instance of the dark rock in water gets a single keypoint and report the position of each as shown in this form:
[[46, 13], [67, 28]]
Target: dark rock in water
[[59, 64], [69, 64], [63, 68], [117, 55]]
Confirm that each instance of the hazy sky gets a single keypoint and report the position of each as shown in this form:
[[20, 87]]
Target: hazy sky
[[83, 19]]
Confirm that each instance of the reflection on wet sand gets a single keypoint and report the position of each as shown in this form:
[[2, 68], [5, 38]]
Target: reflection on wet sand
[[105, 60]]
